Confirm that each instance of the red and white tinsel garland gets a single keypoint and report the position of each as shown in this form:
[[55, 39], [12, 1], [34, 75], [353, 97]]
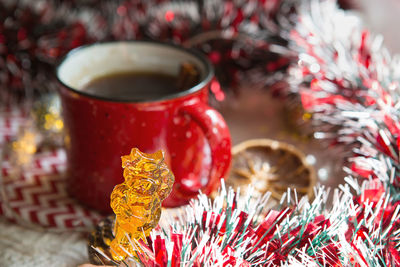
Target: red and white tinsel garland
[[350, 83]]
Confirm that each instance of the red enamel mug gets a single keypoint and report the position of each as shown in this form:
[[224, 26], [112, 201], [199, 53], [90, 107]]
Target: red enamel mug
[[99, 130]]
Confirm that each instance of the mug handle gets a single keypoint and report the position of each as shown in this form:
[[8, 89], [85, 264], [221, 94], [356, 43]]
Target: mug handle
[[217, 133]]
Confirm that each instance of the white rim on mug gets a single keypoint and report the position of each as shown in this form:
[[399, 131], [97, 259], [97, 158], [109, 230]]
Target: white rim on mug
[[86, 63]]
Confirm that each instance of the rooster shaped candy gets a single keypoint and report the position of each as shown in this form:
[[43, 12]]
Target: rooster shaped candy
[[137, 201]]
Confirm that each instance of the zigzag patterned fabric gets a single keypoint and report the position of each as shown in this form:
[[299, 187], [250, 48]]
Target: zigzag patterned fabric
[[38, 194]]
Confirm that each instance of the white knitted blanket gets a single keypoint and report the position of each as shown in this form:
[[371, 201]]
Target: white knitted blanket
[[20, 246]]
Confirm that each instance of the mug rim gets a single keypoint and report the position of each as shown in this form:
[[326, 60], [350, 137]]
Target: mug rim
[[200, 85]]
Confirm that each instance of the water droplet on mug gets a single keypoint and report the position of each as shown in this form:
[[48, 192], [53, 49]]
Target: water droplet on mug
[[176, 120], [188, 134], [143, 124]]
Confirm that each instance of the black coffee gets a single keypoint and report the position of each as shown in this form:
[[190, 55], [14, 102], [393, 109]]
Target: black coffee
[[134, 86]]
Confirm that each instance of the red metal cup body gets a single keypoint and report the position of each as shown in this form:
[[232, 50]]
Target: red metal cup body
[[194, 137]]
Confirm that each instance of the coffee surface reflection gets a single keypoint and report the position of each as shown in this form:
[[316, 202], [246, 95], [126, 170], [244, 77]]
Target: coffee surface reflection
[[133, 86]]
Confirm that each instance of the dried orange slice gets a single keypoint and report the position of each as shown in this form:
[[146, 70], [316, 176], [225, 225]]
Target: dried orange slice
[[271, 166]]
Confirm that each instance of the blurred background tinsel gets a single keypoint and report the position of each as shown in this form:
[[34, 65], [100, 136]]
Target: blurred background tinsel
[[238, 36]]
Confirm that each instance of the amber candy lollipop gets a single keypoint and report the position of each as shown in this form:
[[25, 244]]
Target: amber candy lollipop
[[137, 201]]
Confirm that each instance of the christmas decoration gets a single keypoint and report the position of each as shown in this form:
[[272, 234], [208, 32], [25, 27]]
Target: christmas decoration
[[238, 36], [27, 53], [271, 166], [24, 147], [137, 201], [233, 229], [349, 83], [47, 114], [37, 131]]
